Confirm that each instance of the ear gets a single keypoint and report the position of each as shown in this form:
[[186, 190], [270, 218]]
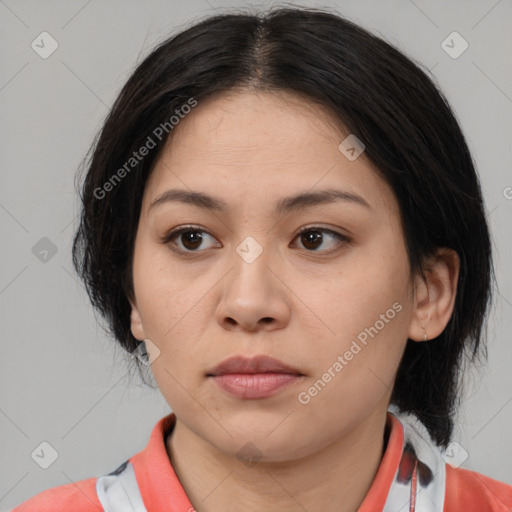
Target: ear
[[435, 297], [136, 322]]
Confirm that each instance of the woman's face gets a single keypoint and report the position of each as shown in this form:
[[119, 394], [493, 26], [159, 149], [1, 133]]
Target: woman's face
[[335, 303]]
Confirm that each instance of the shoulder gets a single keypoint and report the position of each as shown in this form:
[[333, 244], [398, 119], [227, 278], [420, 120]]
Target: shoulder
[[77, 497], [473, 492]]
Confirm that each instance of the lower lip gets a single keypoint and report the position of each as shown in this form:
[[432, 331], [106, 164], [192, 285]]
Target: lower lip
[[255, 385]]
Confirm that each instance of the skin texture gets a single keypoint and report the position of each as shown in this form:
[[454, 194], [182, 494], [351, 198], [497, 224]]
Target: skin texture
[[301, 301]]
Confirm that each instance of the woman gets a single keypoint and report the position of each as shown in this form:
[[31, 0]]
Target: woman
[[308, 336]]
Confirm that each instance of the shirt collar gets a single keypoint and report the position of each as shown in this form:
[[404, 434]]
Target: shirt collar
[[162, 491]]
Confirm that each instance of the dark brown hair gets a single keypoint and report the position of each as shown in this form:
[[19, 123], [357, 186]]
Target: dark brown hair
[[378, 94]]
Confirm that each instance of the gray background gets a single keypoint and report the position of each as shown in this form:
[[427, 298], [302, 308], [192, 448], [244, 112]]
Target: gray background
[[62, 380]]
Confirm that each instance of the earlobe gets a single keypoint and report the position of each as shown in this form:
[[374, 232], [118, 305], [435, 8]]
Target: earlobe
[[136, 323], [435, 296]]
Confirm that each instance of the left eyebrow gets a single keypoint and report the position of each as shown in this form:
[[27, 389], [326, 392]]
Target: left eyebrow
[[285, 205], [326, 196]]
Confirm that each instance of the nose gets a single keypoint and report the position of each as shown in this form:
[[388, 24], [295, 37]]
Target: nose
[[254, 296]]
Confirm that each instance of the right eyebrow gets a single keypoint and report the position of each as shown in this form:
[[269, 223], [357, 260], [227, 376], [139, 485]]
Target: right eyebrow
[[189, 197]]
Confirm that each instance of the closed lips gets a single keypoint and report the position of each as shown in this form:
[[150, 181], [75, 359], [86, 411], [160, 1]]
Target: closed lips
[[256, 364]]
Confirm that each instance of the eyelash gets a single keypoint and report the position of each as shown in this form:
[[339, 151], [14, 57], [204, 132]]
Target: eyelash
[[167, 239]]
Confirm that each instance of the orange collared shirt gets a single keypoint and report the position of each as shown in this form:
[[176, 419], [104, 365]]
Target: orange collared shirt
[[410, 473]]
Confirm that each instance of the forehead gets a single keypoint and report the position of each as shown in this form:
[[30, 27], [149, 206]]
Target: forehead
[[262, 146]]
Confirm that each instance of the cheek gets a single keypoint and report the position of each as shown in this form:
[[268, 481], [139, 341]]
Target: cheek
[[172, 309], [365, 316], [356, 368], [354, 294], [160, 289]]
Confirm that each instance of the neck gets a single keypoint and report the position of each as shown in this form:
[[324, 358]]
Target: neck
[[334, 479]]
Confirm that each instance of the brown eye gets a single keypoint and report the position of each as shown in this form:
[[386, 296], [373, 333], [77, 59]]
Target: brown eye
[[191, 239], [187, 239], [312, 238]]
